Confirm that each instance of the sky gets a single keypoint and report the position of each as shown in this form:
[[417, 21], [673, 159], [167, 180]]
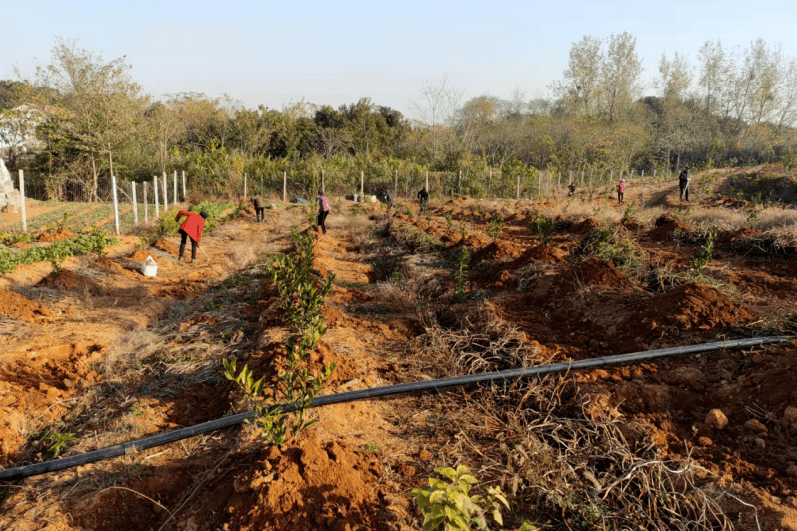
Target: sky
[[334, 53]]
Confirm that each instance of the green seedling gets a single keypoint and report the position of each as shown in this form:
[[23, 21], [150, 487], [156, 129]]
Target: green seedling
[[461, 274], [449, 505]]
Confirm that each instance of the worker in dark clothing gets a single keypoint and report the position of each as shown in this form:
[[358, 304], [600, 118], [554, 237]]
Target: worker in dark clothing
[[323, 210], [683, 184], [191, 228], [387, 198], [572, 189], [423, 197], [260, 207]]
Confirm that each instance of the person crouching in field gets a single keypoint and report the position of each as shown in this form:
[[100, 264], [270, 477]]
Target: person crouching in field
[[323, 210], [260, 207], [191, 228], [620, 190]]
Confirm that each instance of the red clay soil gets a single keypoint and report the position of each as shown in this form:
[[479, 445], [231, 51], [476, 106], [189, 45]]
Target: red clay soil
[[497, 250], [57, 235], [665, 228], [166, 246], [40, 382], [67, 280], [139, 254], [687, 307], [16, 306], [310, 485], [585, 226]]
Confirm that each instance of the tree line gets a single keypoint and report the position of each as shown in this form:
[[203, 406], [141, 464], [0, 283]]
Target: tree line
[[90, 119]]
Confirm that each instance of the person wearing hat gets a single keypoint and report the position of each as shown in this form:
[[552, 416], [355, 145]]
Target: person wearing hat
[[260, 207], [191, 228], [620, 190], [683, 184]]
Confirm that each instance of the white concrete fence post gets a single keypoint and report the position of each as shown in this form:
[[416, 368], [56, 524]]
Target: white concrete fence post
[[22, 201], [165, 193], [157, 201], [146, 206], [135, 203], [115, 205]]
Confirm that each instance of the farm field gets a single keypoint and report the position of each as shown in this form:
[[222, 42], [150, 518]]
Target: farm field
[[76, 217], [97, 355]]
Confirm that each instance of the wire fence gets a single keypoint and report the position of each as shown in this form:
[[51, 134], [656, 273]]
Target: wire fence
[[97, 198]]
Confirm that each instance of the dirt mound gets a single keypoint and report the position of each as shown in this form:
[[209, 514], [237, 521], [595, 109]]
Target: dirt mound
[[139, 254], [34, 386], [57, 235], [166, 246], [596, 272], [688, 307], [585, 226], [15, 306], [497, 250], [726, 239], [551, 289], [544, 253], [307, 487], [665, 226], [66, 280]]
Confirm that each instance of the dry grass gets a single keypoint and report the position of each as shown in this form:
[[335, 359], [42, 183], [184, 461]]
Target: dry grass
[[128, 350], [359, 229], [568, 460]]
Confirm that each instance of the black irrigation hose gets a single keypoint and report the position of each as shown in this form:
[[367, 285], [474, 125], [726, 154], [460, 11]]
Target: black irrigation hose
[[132, 447]]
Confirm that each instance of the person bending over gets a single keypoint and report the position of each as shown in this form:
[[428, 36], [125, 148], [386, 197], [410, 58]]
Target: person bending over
[[191, 228], [260, 207], [323, 210]]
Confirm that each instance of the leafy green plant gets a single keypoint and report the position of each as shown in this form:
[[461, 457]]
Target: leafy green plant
[[461, 274], [542, 226], [448, 217], [494, 229], [59, 442], [55, 253], [606, 244], [449, 505], [705, 254], [629, 212], [463, 229]]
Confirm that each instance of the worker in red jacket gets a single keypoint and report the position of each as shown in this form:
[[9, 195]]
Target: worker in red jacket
[[191, 227]]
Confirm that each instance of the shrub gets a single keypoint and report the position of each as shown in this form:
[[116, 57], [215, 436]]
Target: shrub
[[450, 506], [541, 226], [461, 274], [496, 224], [705, 254]]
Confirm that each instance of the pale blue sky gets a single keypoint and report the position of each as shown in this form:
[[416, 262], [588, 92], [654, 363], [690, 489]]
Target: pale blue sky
[[337, 52]]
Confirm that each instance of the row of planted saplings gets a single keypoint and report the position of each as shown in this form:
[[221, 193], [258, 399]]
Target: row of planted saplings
[[301, 291]]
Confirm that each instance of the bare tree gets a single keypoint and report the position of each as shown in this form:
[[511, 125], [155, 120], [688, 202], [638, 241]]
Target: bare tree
[[438, 104]]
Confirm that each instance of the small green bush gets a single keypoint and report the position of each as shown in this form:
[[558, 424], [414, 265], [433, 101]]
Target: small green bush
[[448, 505]]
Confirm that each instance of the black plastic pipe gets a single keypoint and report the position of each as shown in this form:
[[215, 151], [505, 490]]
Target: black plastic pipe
[[132, 447]]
